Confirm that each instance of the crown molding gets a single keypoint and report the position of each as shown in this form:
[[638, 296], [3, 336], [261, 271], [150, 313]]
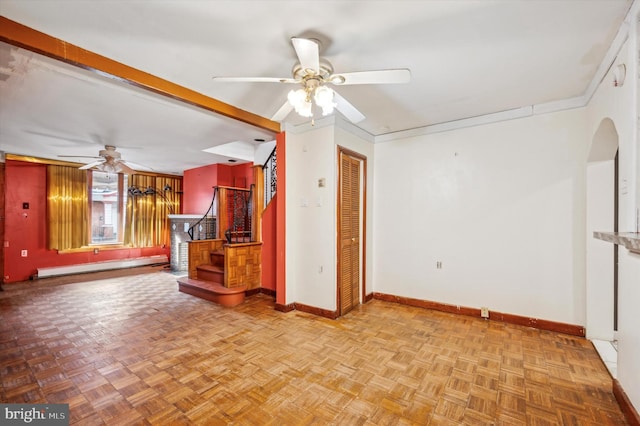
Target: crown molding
[[332, 120], [525, 111]]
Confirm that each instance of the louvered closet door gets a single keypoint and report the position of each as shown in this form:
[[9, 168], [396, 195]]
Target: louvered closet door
[[349, 268]]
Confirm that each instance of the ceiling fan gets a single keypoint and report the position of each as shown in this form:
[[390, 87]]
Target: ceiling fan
[[314, 74], [108, 160]]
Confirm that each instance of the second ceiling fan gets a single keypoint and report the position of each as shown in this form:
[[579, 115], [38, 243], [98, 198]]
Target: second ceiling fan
[[314, 74], [108, 160]]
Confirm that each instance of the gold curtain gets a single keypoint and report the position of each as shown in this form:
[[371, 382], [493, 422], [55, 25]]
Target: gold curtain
[[167, 203], [67, 207], [139, 227], [147, 223]]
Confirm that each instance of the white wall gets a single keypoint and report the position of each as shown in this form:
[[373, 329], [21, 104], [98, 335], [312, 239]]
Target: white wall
[[311, 226], [620, 105], [617, 104], [628, 367], [500, 205], [311, 212], [263, 151]]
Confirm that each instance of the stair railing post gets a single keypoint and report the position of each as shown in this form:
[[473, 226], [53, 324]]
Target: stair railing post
[[223, 217], [258, 204]]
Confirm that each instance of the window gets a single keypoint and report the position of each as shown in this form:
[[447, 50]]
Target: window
[[107, 200], [87, 208]]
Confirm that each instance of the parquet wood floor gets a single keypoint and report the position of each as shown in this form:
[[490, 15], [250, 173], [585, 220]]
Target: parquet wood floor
[[133, 350]]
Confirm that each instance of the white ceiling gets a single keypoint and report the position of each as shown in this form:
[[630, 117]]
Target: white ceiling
[[467, 59]]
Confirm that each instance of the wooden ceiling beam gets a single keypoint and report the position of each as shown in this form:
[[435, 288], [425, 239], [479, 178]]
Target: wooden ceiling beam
[[19, 35]]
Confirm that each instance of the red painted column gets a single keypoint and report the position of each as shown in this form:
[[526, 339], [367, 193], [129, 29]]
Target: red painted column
[[281, 222]]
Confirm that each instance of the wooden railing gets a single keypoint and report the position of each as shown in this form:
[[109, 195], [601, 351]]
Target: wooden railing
[[270, 176], [229, 217], [235, 214], [205, 228]]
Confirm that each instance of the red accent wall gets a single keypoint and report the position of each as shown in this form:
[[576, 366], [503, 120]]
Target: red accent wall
[[26, 229], [225, 175], [198, 184], [238, 176], [269, 217], [197, 189], [281, 253], [244, 174]]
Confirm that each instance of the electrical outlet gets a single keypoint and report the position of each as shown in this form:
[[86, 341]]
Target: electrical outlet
[[484, 312], [23, 253]]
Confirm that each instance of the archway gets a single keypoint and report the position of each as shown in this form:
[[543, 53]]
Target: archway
[[601, 216]]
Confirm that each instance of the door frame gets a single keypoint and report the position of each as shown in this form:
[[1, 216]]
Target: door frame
[[362, 252]]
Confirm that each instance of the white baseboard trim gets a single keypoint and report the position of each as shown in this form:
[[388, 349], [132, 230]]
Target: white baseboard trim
[[101, 266]]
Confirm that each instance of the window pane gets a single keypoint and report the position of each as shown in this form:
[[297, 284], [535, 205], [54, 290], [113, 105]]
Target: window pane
[[105, 208]]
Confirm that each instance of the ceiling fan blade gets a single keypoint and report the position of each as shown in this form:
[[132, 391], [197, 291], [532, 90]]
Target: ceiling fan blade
[[348, 110], [396, 76], [254, 80], [136, 166], [282, 113], [121, 167], [90, 165], [308, 53], [78, 156]]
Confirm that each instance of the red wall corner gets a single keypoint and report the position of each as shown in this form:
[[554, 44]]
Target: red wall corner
[[26, 229], [269, 249], [281, 253]]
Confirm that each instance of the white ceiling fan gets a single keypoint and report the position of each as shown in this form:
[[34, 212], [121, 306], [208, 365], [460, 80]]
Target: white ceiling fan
[[314, 74], [108, 160]]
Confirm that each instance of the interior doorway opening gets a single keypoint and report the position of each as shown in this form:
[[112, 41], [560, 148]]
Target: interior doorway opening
[[602, 215]]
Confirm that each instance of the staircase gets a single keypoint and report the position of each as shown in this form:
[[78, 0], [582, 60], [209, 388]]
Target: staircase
[[225, 260], [214, 271], [209, 283]]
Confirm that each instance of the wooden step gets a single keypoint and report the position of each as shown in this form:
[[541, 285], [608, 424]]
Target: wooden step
[[210, 273], [213, 292], [216, 257]]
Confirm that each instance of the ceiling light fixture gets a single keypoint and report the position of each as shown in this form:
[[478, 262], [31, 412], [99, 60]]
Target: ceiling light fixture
[[109, 167], [323, 96]]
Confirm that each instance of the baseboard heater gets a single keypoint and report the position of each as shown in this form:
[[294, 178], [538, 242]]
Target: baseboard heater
[[82, 268]]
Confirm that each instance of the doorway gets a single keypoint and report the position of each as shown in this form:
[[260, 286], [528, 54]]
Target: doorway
[[351, 225], [601, 256]]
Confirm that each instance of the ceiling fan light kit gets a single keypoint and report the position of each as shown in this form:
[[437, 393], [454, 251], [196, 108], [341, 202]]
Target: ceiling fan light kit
[[112, 167], [324, 99], [108, 161], [323, 96], [313, 73]]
